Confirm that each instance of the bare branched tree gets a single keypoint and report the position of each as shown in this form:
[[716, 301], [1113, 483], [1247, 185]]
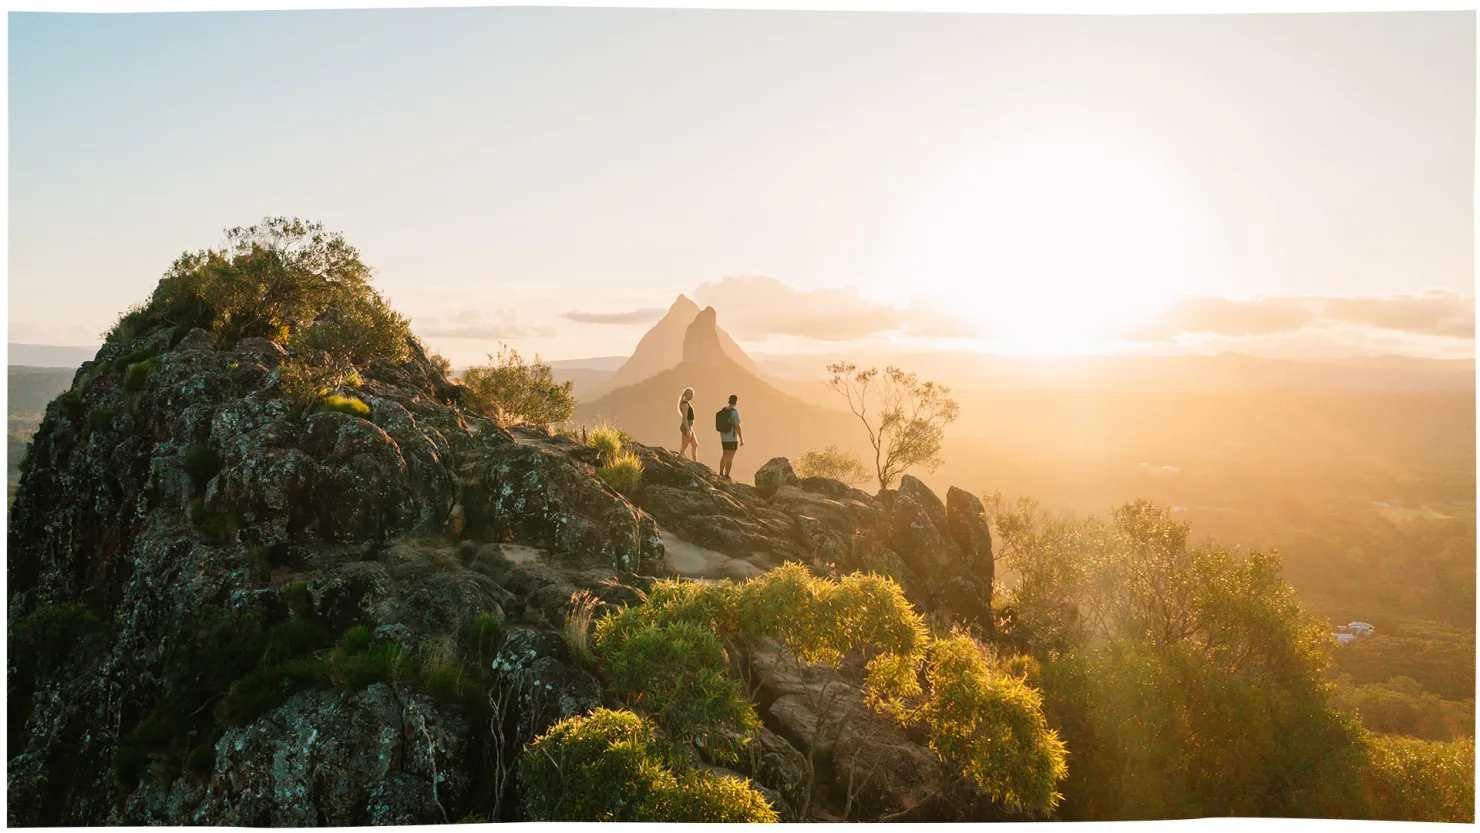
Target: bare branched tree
[[905, 417]]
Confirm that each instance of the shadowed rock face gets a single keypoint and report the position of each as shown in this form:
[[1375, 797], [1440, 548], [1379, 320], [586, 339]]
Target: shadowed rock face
[[701, 340], [203, 495]]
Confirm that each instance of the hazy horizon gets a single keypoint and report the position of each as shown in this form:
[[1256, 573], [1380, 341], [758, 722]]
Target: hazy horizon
[[1275, 185]]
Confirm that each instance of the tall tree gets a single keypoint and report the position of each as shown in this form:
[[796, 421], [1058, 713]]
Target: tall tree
[[905, 417]]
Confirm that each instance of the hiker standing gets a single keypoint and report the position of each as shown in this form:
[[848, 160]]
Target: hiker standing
[[727, 422], [687, 438]]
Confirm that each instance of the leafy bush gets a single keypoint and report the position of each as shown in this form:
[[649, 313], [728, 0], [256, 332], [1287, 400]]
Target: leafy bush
[[992, 728], [138, 375], [131, 323], [286, 280], [264, 689], [293, 639], [132, 357], [1413, 780], [345, 405], [201, 761], [510, 391], [1401, 706], [682, 671], [833, 462], [606, 439], [353, 667], [622, 472], [611, 766], [202, 462], [70, 405], [101, 419]]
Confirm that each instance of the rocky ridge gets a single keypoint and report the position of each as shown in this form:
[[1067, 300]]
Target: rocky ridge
[[174, 486]]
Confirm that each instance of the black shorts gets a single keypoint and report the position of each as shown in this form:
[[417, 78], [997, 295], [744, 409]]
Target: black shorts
[[728, 446]]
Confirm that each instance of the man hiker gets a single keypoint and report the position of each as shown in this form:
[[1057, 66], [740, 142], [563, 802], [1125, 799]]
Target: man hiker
[[727, 423]]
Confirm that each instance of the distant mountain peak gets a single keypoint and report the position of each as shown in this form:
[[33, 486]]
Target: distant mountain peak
[[701, 343], [683, 306]]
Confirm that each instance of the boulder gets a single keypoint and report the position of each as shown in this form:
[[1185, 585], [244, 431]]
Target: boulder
[[773, 475], [197, 339]]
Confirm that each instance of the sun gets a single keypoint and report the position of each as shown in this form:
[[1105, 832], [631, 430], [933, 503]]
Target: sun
[[1054, 245]]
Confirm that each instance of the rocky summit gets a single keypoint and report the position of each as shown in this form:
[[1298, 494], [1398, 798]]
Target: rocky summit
[[226, 612]]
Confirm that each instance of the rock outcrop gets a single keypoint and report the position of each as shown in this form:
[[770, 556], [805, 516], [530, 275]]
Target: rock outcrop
[[223, 612]]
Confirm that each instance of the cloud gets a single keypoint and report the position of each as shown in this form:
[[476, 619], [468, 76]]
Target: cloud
[[636, 316], [474, 324], [1227, 317], [1432, 313], [758, 307], [1436, 312]]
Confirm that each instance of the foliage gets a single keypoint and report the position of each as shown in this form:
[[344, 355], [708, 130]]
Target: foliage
[[345, 405], [202, 462], [832, 462], [132, 357], [511, 390], [905, 418], [70, 405], [1401, 706], [622, 472], [264, 689], [991, 727], [287, 280], [201, 761], [485, 635], [101, 419], [1415, 780], [131, 323], [138, 375], [611, 766], [606, 439]]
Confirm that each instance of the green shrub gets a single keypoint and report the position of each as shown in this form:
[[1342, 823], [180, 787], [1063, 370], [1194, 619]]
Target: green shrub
[[264, 689], [101, 419], [260, 558], [510, 390], [835, 463], [444, 682], [296, 596], [202, 462], [345, 405], [53, 634], [991, 727], [356, 640], [293, 639], [130, 324], [683, 673], [217, 524], [606, 439], [201, 761], [1407, 779], [611, 766], [622, 472], [70, 405], [356, 669], [132, 357], [138, 375]]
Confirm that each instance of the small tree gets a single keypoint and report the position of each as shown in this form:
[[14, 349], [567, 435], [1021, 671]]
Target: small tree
[[835, 463], [512, 390], [905, 417]]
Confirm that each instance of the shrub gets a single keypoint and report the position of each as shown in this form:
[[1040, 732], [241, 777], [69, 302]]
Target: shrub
[[101, 419], [356, 669], [132, 357], [202, 463], [356, 640], [833, 462], [991, 727], [297, 598], [201, 761], [130, 324], [611, 766], [682, 672], [606, 439], [138, 375], [52, 634], [622, 472], [218, 524], [264, 689], [293, 639], [510, 391], [260, 558], [70, 405], [345, 405], [444, 682], [1406, 779]]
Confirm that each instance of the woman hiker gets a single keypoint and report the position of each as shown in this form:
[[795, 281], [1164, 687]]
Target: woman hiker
[[687, 438]]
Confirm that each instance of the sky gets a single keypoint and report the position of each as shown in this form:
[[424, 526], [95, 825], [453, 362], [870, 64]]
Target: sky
[[553, 178]]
